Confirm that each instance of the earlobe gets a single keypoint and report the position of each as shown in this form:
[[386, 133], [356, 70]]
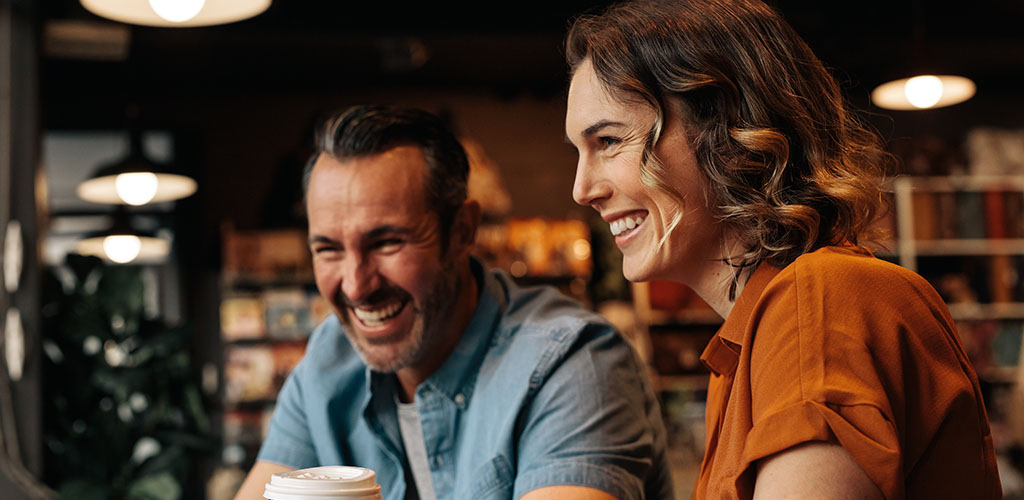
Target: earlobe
[[467, 220]]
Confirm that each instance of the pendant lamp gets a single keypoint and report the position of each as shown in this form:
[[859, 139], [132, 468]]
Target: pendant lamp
[[122, 244], [924, 86], [923, 92], [135, 180], [176, 13]]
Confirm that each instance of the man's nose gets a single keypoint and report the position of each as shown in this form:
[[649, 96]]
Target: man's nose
[[359, 278]]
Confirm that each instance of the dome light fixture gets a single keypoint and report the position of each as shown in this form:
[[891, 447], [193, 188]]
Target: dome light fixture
[[124, 248], [923, 92], [176, 13], [135, 180], [122, 244]]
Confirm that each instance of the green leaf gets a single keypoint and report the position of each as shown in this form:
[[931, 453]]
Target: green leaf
[[83, 489], [161, 486]]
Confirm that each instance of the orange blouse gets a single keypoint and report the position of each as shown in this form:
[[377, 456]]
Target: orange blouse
[[842, 347]]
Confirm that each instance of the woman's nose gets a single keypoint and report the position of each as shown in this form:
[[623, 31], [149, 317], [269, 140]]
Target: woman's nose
[[589, 188]]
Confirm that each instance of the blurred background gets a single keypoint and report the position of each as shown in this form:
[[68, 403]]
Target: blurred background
[[150, 372]]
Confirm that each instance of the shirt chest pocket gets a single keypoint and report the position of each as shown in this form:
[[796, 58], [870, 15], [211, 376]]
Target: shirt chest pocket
[[492, 479]]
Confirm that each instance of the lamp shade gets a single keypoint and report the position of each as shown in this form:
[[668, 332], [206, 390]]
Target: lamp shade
[[135, 180], [123, 244], [124, 248], [923, 92], [176, 13]]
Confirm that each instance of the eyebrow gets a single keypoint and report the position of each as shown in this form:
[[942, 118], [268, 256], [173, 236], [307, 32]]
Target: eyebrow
[[374, 233], [595, 128]]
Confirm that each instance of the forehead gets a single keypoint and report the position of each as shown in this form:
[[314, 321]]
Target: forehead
[[393, 180], [590, 101]]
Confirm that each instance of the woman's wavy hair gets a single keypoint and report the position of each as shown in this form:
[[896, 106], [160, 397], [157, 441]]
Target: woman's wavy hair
[[789, 167]]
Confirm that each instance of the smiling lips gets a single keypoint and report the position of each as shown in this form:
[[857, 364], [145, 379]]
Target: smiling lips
[[377, 316], [625, 225]]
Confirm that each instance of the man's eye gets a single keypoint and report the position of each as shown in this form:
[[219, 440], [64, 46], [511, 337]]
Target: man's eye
[[387, 243], [325, 250]]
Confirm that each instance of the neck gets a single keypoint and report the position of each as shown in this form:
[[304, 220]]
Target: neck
[[714, 283], [448, 336]]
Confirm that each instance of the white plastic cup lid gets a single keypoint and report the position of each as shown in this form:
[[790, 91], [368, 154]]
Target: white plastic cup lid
[[333, 482]]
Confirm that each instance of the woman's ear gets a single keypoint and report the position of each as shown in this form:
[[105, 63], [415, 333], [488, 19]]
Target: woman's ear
[[463, 234]]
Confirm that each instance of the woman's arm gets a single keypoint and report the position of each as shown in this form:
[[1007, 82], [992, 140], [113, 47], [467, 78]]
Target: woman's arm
[[814, 470]]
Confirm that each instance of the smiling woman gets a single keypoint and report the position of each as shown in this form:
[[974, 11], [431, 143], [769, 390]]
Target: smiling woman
[[835, 374]]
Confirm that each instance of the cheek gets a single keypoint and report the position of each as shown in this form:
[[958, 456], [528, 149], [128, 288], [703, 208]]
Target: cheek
[[326, 277]]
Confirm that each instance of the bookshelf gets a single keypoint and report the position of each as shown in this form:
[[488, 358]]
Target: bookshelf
[[965, 234], [268, 307]]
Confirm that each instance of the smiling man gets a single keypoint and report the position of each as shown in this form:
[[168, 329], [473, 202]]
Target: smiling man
[[448, 379]]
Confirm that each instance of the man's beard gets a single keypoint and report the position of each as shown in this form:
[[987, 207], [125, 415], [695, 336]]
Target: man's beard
[[423, 337]]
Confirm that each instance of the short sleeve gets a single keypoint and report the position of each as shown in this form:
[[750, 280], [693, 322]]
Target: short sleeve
[[288, 441], [592, 422], [814, 378]]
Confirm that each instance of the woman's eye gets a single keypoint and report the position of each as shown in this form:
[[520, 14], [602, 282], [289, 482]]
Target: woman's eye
[[607, 142]]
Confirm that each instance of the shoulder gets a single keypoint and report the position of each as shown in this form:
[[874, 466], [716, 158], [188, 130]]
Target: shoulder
[[853, 276], [851, 293], [540, 327], [544, 310]]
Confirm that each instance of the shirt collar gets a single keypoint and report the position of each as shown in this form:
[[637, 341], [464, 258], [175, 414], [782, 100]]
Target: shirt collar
[[457, 374], [723, 351]]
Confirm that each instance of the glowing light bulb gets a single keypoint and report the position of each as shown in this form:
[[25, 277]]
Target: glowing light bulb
[[923, 91], [136, 188], [177, 11], [122, 248]]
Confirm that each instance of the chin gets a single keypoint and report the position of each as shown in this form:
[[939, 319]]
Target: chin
[[636, 273]]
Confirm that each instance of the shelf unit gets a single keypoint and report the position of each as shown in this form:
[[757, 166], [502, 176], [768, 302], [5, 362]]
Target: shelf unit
[[268, 307], [985, 295], [910, 247]]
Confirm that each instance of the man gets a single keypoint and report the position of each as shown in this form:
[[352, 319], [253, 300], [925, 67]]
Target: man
[[448, 380]]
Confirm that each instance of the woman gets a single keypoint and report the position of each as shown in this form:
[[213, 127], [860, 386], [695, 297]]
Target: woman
[[721, 154]]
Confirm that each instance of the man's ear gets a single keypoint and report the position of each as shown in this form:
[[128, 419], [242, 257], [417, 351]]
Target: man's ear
[[467, 220]]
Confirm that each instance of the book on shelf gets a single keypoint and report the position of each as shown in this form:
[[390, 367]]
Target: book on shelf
[[995, 217], [287, 313], [248, 373], [970, 215], [319, 308], [285, 355], [1002, 277], [926, 215], [266, 254], [946, 214], [242, 317], [991, 214], [1013, 213]]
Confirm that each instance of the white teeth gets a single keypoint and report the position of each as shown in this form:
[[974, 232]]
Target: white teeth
[[625, 224], [379, 316]]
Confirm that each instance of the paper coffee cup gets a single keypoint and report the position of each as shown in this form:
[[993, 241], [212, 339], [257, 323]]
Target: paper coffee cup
[[324, 483]]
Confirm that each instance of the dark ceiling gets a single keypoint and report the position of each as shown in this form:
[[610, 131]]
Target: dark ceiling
[[508, 47]]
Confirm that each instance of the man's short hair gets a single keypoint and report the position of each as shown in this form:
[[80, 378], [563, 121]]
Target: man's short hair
[[368, 130]]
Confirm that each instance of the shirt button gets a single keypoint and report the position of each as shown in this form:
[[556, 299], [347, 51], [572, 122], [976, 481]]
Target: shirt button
[[460, 400]]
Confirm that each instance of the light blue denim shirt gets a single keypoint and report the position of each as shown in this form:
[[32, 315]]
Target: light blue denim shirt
[[538, 392]]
